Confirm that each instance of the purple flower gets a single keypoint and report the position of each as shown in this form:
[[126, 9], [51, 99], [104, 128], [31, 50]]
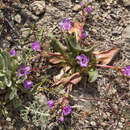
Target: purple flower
[[82, 4], [33, 60], [36, 46], [84, 35], [12, 52], [127, 70], [67, 110], [28, 84], [66, 24], [50, 103], [22, 70], [89, 10], [83, 60], [61, 119]]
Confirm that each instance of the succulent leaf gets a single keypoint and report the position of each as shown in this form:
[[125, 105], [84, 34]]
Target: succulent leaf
[[93, 74], [56, 45]]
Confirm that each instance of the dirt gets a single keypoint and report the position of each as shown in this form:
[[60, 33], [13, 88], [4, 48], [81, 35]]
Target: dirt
[[105, 102]]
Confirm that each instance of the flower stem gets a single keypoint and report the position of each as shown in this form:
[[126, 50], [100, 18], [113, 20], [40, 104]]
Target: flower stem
[[117, 68]]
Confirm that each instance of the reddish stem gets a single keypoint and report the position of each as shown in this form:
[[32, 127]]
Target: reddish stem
[[68, 88], [8, 2], [110, 67], [52, 54]]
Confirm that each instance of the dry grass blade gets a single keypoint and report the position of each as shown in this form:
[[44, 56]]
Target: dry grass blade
[[106, 57], [54, 60]]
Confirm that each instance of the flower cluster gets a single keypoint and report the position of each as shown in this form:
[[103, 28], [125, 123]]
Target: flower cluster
[[25, 70], [66, 24], [87, 9], [66, 110], [22, 71]]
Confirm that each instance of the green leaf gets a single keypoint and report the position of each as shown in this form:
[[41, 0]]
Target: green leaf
[[93, 74], [13, 93], [40, 35], [56, 45], [7, 58], [17, 102], [8, 82], [7, 78], [34, 89], [2, 86], [2, 62], [2, 75], [14, 65], [74, 46], [24, 55]]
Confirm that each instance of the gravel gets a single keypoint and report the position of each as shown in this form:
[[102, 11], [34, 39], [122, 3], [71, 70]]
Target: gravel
[[108, 26]]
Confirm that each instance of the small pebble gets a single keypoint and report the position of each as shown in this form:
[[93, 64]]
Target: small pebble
[[25, 32], [120, 125], [77, 7], [93, 123], [122, 120], [17, 18], [38, 7], [126, 2]]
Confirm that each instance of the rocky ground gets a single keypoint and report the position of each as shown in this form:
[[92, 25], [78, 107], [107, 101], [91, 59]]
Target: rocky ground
[[108, 26]]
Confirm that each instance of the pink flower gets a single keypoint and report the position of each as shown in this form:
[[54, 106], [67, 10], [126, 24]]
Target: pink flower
[[82, 4], [12, 52], [36, 46], [67, 110], [33, 60], [28, 84], [82, 60], [89, 10], [84, 35], [61, 119], [127, 70], [66, 24], [22, 70], [50, 103]]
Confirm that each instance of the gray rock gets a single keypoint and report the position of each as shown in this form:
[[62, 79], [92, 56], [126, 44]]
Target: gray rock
[[126, 33], [126, 2], [115, 32], [25, 32], [38, 7], [77, 7], [29, 14], [93, 123], [17, 18]]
